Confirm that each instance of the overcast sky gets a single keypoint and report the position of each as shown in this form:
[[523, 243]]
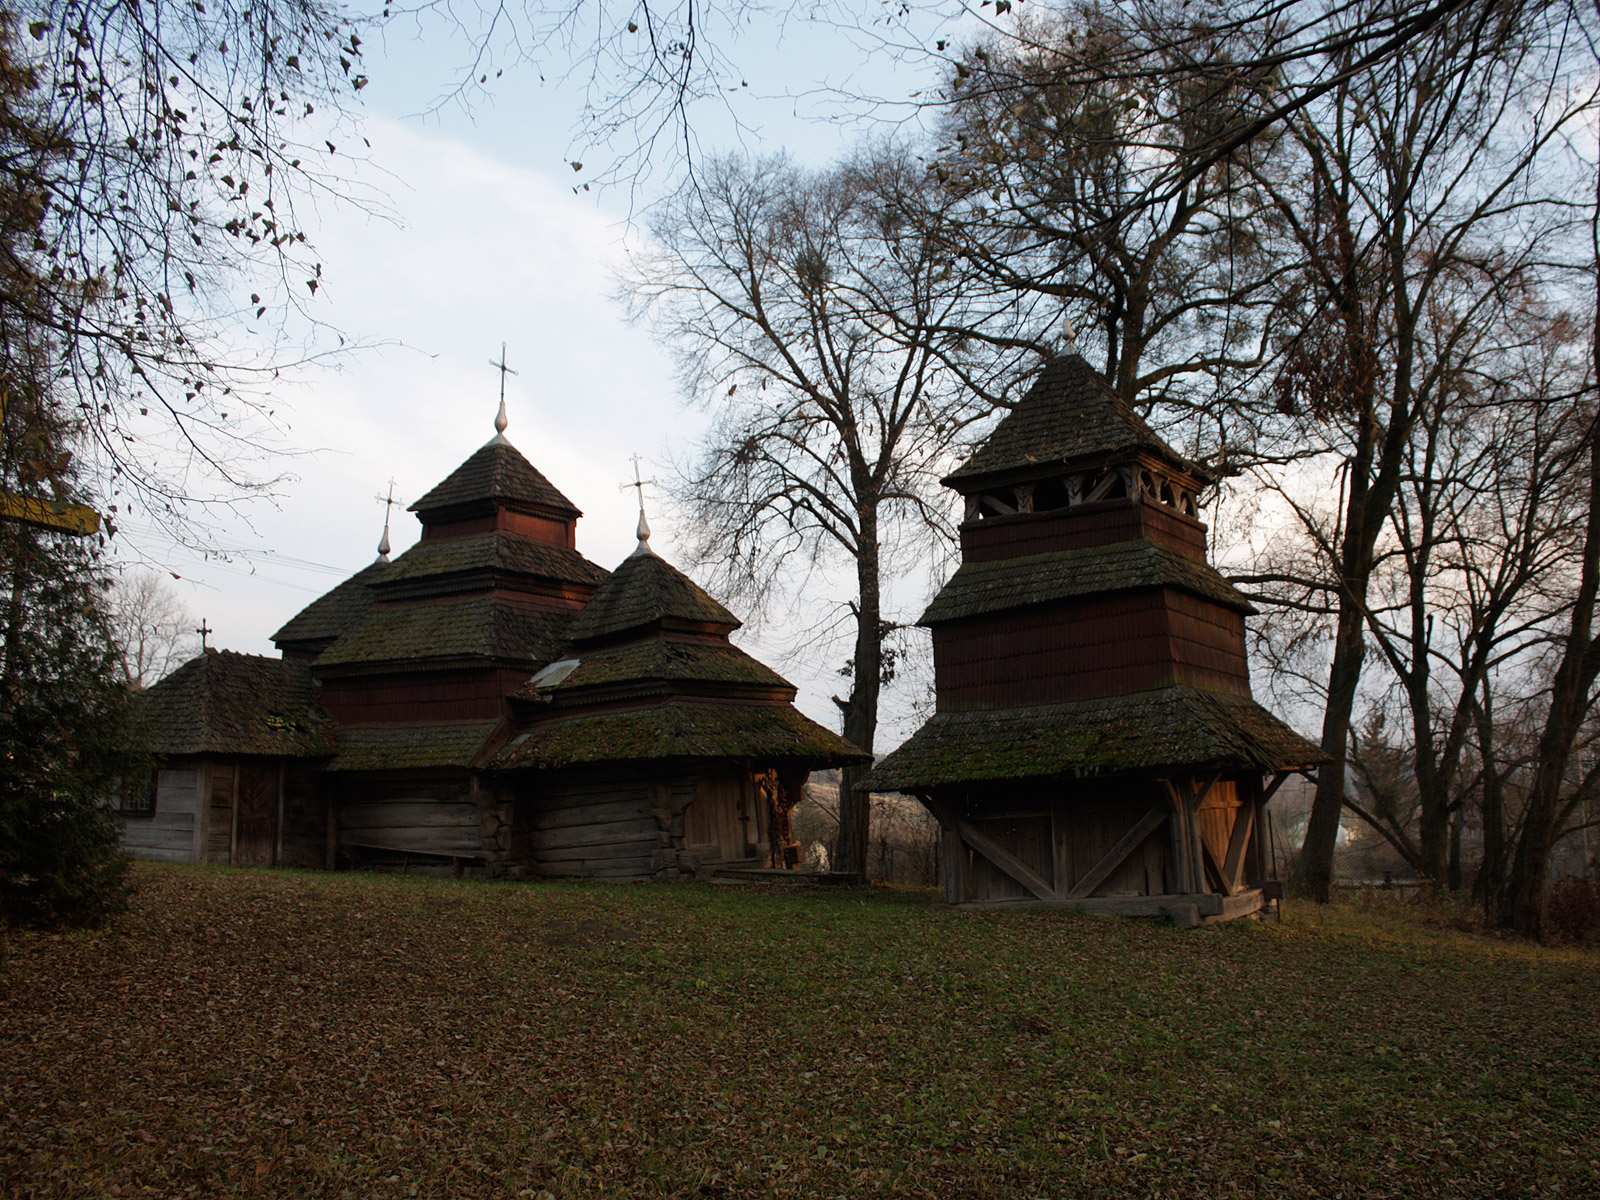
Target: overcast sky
[[490, 243]]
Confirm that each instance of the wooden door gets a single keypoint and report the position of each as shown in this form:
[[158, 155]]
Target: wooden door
[[723, 824], [255, 828]]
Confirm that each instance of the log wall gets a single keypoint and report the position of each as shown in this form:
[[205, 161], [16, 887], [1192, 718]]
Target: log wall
[[172, 833], [414, 823], [597, 823]]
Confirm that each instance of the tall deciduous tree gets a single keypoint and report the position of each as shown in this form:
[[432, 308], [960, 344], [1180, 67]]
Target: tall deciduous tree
[[152, 630], [835, 347], [1445, 170], [63, 744], [1055, 143]]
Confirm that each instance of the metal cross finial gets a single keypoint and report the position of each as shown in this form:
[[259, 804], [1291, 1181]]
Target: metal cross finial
[[500, 421], [204, 631], [638, 484], [388, 503]]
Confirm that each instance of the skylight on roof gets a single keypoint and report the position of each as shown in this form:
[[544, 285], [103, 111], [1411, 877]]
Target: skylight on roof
[[553, 674]]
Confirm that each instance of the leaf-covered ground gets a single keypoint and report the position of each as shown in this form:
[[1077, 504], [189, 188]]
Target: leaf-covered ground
[[286, 1034]]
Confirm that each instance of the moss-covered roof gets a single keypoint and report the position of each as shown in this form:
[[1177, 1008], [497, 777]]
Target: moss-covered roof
[[645, 591], [1069, 413], [1164, 728], [410, 747], [497, 473], [335, 613], [680, 729], [663, 659], [508, 553], [985, 587], [225, 703], [481, 626]]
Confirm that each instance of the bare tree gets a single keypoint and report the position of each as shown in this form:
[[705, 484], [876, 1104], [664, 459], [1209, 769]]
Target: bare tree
[[1053, 138], [1473, 576], [834, 346], [154, 632], [1439, 172]]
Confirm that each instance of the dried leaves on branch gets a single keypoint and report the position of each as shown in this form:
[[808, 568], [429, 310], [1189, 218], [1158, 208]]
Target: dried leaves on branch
[[160, 149]]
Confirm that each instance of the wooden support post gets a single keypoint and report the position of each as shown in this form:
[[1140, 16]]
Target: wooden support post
[[1182, 842], [951, 866]]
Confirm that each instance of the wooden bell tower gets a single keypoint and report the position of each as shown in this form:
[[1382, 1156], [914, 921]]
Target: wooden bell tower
[[1095, 742]]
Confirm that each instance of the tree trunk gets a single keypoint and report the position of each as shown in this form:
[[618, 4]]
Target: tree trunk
[[1524, 907], [1490, 883], [1453, 870], [861, 710], [1314, 871]]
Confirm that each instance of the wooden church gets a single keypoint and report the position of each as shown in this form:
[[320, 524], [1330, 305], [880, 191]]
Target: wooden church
[[490, 701], [1094, 743]]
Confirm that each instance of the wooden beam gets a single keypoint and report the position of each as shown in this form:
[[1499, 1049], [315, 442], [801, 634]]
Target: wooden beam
[[1244, 819], [1210, 862], [1006, 861], [1118, 854]]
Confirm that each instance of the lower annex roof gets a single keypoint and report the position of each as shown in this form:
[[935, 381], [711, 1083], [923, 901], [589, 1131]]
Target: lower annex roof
[[1162, 728]]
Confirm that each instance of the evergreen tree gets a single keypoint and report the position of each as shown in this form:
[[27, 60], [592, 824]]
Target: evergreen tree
[[63, 709]]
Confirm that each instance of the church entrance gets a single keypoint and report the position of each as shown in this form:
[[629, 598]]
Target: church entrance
[[724, 822], [256, 816]]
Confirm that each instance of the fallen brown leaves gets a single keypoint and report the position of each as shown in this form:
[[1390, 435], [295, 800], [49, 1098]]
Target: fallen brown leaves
[[277, 1034]]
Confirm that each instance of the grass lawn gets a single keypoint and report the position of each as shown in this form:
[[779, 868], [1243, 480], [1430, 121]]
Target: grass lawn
[[283, 1034]]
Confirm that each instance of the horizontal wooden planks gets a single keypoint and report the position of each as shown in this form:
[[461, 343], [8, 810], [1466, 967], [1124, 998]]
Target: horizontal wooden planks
[[166, 837], [633, 867], [598, 834], [1054, 653], [446, 829]]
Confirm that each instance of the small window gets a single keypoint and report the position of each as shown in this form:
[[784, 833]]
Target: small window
[[139, 796], [1050, 494]]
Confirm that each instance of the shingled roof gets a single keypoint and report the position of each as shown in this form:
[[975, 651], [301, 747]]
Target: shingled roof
[[458, 627], [1163, 728], [334, 613], [225, 703], [681, 729], [646, 591], [499, 551], [497, 473], [661, 660], [1069, 413], [411, 746], [982, 587]]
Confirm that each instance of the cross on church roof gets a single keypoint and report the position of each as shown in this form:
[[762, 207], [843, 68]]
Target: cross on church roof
[[638, 484], [500, 421], [388, 503], [204, 631]]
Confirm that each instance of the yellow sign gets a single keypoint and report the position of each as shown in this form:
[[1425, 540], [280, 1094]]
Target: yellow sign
[[59, 515], [77, 519]]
